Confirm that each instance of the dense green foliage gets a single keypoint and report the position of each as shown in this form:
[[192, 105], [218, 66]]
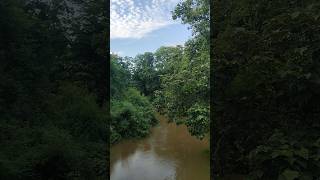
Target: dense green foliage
[[187, 88], [265, 56], [53, 90], [177, 78], [174, 79], [144, 73], [265, 78], [132, 114], [266, 81], [177, 84]]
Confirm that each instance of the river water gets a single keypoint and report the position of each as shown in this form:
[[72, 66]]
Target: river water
[[169, 153]]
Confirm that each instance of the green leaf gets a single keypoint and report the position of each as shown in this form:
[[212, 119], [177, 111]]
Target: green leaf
[[286, 153], [303, 152], [289, 174]]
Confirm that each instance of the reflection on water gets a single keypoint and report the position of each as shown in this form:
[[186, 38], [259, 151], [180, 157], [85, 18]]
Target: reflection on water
[[169, 153]]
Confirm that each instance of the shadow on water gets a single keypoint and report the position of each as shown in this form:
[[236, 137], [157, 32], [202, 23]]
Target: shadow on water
[[169, 153]]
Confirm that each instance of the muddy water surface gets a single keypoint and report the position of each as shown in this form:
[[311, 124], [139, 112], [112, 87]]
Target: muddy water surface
[[169, 153]]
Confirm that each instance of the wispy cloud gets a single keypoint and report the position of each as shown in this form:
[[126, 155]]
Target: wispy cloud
[[137, 18], [120, 53]]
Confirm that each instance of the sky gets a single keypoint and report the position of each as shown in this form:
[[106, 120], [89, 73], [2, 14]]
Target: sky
[[139, 26]]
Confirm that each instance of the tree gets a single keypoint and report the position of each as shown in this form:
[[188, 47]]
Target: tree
[[265, 76], [132, 114], [186, 88], [51, 126], [144, 73]]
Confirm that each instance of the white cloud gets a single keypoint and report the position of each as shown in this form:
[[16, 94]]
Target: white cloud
[[137, 18], [120, 53]]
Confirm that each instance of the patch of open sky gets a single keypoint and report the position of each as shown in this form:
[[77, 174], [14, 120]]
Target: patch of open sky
[[139, 26]]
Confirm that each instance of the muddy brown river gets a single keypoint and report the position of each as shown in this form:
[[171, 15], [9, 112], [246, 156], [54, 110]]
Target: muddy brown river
[[169, 153]]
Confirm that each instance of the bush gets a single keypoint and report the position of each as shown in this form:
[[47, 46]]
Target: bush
[[198, 120], [76, 110], [131, 116], [68, 141], [289, 157]]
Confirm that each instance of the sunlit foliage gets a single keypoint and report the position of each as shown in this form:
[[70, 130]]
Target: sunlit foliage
[[132, 114]]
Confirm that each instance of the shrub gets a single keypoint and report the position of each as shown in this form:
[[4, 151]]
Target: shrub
[[131, 116]]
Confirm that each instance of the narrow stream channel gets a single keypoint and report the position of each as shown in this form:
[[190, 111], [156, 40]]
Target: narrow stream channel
[[169, 153]]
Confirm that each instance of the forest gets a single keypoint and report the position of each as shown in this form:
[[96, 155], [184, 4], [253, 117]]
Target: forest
[[53, 89], [264, 80], [174, 80], [265, 68], [249, 76]]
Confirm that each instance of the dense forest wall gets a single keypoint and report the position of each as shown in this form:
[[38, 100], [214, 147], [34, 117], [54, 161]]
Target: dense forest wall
[[53, 88], [266, 88]]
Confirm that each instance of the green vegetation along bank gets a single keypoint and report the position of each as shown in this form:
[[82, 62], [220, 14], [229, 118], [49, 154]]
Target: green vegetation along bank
[[132, 114], [174, 79]]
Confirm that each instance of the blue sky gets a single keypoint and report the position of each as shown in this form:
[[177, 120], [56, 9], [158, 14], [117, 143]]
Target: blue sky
[[138, 26]]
